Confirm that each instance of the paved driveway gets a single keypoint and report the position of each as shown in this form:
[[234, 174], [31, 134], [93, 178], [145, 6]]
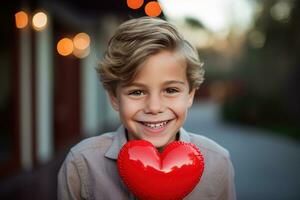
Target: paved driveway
[[266, 166]]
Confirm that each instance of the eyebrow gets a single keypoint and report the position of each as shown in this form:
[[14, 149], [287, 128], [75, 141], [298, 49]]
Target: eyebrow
[[174, 82], [137, 84]]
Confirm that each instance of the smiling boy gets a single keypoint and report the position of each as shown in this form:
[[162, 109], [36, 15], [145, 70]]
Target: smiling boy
[[151, 75], [154, 106]]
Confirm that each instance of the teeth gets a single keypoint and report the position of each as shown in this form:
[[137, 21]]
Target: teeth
[[155, 126]]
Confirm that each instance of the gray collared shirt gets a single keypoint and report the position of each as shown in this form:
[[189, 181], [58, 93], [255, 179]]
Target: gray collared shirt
[[90, 171]]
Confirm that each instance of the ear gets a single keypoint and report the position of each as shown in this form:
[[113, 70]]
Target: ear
[[113, 101], [191, 97]]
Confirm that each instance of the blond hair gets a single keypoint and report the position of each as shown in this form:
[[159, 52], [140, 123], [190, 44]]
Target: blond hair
[[136, 40]]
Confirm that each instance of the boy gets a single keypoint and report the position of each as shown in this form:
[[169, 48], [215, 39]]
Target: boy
[[150, 74]]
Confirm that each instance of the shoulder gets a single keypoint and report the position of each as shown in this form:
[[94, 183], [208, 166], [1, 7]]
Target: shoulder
[[217, 180], [208, 146], [218, 165], [75, 174], [93, 145]]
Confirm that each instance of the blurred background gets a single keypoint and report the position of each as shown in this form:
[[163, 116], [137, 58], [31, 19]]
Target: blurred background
[[50, 96]]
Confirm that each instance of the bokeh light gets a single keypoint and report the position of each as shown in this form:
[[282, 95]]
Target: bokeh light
[[65, 47], [81, 41], [281, 11], [153, 9], [135, 4], [39, 21], [21, 18]]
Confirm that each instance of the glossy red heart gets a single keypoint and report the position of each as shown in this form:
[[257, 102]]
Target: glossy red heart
[[149, 175]]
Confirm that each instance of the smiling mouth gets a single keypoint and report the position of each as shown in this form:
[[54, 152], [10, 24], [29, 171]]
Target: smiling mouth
[[155, 125]]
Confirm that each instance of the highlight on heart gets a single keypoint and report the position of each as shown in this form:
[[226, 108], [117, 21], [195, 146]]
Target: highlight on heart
[[148, 174]]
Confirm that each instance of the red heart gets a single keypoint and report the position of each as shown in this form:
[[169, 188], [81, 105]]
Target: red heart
[[173, 174]]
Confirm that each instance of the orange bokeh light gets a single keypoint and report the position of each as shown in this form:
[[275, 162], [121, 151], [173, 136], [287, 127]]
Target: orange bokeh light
[[153, 9], [65, 47], [21, 19], [135, 4], [81, 41]]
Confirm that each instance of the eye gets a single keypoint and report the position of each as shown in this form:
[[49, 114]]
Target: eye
[[172, 90], [136, 93]]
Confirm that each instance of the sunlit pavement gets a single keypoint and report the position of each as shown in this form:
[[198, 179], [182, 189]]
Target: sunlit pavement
[[267, 166]]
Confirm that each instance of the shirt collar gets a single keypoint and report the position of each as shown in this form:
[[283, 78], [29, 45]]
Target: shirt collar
[[120, 139]]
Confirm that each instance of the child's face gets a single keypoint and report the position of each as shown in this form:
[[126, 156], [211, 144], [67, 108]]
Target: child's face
[[154, 106]]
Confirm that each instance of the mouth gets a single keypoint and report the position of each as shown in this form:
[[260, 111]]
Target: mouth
[[155, 126]]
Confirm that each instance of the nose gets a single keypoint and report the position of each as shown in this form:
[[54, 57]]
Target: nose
[[154, 104]]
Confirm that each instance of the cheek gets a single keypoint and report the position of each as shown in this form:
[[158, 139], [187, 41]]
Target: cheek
[[180, 107], [128, 107]]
